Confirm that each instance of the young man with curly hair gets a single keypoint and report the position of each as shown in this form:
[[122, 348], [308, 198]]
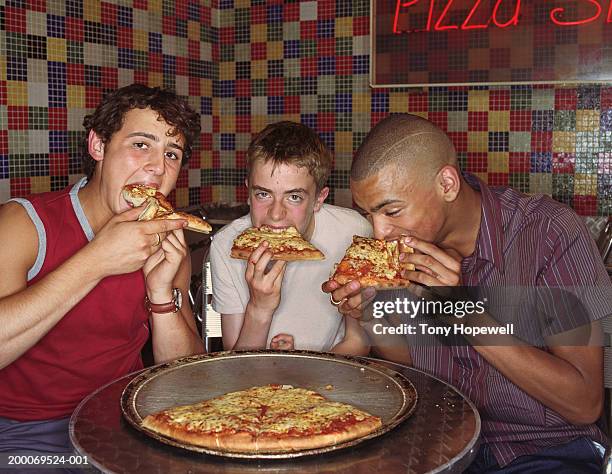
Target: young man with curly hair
[[77, 266]]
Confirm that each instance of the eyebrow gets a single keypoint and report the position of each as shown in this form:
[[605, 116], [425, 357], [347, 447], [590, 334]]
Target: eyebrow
[[384, 203], [154, 138], [290, 191], [261, 188]]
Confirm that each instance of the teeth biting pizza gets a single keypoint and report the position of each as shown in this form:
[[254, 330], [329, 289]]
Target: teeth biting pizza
[[374, 262], [285, 244], [271, 418], [156, 206]]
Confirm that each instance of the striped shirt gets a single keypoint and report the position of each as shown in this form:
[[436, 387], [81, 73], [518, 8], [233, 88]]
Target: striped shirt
[[523, 241]]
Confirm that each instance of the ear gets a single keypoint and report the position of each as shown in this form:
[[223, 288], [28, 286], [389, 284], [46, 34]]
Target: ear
[[95, 146], [321, 198], [448, 183]]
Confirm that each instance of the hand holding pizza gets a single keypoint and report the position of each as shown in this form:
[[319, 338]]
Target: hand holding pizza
[[433, 265], [283, 342], [123, 245], [264, 286], [161, 268], [349, 298]]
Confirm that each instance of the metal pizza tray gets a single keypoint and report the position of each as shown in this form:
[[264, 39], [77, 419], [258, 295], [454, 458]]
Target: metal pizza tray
[[369, 386]]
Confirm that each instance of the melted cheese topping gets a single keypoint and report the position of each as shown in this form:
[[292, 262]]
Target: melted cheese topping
[[382, 255], [157, 204], [279, 239], [268, 410], [138, 190]]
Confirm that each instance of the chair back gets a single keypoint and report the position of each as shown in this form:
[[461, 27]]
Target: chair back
[[209, 319]]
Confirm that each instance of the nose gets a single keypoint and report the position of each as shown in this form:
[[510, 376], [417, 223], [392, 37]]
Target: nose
[[276, 210], [156, 164], [382, 227]]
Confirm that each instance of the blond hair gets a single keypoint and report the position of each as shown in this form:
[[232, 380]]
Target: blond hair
[[291, 143]]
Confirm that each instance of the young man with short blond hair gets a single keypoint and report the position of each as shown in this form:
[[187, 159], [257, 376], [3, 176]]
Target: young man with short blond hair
[[276, 304]]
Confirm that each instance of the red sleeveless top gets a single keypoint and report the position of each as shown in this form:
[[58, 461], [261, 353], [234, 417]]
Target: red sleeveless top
[[99, 340]]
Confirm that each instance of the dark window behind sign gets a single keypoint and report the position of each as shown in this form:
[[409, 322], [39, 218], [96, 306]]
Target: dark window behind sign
[[440, 42]]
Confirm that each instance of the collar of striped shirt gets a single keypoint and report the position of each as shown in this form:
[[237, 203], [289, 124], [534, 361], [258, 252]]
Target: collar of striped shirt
[[490, 240]]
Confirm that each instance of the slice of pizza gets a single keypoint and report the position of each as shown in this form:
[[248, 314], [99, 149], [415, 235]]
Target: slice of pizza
[[156, 206], [270, 418], [374, 262], [285, 244]]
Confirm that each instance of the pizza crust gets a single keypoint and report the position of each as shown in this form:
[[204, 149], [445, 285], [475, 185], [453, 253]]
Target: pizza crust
[[318, 440], [244, 442], [372, 282], [286, 255], [226, 442], [193, 222], [404, 248], [160, 424]]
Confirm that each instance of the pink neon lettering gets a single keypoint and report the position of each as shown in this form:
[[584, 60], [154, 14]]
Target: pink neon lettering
[[561, 10]]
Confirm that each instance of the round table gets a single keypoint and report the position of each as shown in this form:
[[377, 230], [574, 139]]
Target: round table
[[440, 436]]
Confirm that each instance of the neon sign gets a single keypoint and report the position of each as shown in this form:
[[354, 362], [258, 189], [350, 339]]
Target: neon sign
[[425, 42], [494, 17]]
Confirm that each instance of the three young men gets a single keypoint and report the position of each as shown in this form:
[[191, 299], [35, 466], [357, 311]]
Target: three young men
[[71, 299]]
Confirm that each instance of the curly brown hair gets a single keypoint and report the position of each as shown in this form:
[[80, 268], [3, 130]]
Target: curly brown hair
[[292, 143], [108, 117]]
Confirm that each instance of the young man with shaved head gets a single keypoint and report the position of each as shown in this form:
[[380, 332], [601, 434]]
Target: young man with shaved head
[[539, 406], [275, 304]]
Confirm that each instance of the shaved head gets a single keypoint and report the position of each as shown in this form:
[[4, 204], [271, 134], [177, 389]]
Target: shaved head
[[406, 142]]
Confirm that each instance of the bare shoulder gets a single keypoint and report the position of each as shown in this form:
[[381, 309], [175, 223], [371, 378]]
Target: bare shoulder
[[16, 224], [19, 237]]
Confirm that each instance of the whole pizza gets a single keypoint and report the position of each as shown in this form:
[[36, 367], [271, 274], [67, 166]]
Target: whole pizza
[[270, 418]]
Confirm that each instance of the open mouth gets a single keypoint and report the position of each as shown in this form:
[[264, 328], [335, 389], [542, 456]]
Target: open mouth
[[278, 229], [145, 184]]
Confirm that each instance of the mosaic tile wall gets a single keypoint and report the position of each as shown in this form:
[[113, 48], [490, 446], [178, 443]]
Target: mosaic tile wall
[[308, 61], [245, 63], [58, 58]]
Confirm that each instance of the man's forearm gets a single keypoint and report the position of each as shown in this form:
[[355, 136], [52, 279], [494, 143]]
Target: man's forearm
[[254, 332], [30, 314], [568, 379], [573, 389], [355, 341], [173, 337], [390, 347], [174, 334], [351, 347]]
